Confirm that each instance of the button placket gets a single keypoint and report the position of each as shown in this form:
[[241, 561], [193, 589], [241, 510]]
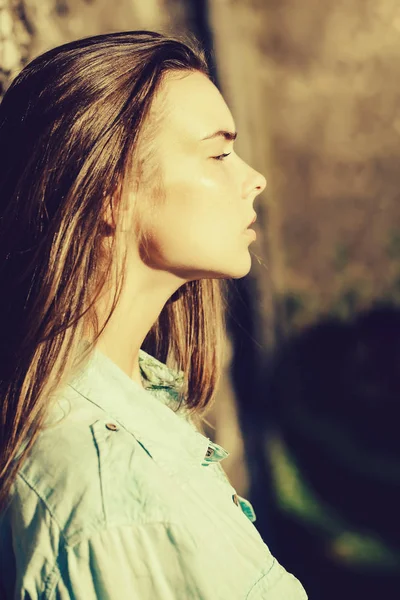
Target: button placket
[[214, 453]]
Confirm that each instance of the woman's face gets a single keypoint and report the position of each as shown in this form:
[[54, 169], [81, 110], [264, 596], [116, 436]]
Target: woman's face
[[199, 231]]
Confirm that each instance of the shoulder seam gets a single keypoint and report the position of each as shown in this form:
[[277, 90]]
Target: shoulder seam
[[29, 484], [63, 537]]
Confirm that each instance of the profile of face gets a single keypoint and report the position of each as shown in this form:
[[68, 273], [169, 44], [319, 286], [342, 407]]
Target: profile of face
[[200, 229]]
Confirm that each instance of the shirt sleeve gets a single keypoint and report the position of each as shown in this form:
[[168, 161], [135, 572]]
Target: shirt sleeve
[[152, 560]]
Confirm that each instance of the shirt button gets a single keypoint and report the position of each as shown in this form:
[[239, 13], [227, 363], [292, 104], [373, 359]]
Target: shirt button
[[112, 426], [235, 499], [210, 451]]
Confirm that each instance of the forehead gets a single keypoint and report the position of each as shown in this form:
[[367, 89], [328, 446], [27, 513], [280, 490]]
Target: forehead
[[193, 108]]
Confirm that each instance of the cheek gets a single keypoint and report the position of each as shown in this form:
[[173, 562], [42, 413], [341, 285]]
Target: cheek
[[198, 221], [195, 237], [200, 211], [200, 201]]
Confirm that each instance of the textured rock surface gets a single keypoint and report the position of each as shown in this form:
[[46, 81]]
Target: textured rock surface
[[314, 89], [29, 27]]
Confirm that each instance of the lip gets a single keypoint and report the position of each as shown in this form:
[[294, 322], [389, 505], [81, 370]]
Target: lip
[[253, 221], [251, 232]]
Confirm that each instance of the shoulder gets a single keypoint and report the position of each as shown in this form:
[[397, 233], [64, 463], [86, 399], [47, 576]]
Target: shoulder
[[87, 473]]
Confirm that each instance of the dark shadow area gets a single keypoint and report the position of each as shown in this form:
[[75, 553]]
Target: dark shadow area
[[247, 375], [321, 431], [199, 24]]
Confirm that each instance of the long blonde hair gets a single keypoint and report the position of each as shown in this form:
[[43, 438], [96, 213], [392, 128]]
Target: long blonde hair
[[71, 124]]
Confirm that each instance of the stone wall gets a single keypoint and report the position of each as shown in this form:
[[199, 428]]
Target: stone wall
[[314, 89]]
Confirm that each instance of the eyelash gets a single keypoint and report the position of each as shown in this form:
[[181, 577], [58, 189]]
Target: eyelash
[[221, 156]]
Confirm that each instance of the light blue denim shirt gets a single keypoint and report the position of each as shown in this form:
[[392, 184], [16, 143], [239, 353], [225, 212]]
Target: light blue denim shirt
[[125, 499]]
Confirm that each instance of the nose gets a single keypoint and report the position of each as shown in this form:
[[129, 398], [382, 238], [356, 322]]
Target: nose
[[253, 180], [260, 183]]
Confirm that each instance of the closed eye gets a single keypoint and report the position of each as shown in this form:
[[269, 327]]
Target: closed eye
[[221, 156]]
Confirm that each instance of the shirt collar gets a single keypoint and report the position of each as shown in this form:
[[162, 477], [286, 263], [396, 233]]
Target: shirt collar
[[168, 436], [156, 374]]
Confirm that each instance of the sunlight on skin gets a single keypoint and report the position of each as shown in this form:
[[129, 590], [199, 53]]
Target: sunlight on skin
[[200, 229]]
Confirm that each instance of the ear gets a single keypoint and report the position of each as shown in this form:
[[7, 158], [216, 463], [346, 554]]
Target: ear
[[111, 211]]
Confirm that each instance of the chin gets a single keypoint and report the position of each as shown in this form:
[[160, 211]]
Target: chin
[[240, 269], [230, 268], [243, 274]]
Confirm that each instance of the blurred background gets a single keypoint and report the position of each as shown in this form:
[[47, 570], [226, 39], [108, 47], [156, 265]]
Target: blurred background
[[307, 406]]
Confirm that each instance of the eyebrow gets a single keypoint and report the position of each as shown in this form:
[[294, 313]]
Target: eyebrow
[[230, 136]]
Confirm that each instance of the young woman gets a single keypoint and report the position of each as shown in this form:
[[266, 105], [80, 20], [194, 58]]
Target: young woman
[[123, 210]]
